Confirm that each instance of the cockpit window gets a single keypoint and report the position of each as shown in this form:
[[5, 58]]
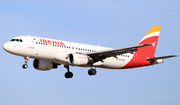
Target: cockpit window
[[17, 40], [12, 40]]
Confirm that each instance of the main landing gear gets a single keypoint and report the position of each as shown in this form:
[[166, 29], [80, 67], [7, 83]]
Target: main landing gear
[[69, 74], [92, 71], [24, 66]]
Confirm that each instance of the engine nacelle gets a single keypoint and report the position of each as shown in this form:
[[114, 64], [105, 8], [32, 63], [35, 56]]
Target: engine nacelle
[[43, 65], [78, 59]]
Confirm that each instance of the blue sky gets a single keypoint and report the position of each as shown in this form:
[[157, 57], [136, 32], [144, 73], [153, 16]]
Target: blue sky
[[111, 23]]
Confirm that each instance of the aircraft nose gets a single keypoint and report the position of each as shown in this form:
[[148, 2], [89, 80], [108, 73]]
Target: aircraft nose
[[7, 46]]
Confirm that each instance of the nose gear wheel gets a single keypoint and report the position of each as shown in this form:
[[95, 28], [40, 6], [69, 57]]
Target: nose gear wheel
[[24, 66]]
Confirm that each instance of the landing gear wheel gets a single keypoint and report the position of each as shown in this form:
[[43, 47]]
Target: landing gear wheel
[[92, 72], [24, 66], [68, 75]]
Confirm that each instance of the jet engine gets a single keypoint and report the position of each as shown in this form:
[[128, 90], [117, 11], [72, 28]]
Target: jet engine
[[43, 65], [78, 59]]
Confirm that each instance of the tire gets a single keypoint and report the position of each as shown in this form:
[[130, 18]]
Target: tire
[[92, 72], [25, 66], [68, 75]]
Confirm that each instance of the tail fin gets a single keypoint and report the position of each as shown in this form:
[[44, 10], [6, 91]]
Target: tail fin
[[151, 38]]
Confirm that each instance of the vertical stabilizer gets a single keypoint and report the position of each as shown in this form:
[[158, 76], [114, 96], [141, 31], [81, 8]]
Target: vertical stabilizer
[[151, 38]]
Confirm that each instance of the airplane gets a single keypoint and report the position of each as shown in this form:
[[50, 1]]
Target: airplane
[[50, 53]]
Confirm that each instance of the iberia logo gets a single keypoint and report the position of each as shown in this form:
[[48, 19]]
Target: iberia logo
[[51, 42]]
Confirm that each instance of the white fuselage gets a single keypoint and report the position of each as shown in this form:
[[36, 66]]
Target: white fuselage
[[50, 49]]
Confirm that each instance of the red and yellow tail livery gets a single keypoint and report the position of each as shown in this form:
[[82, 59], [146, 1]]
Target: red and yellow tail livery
[[152, 38], [144, 56]]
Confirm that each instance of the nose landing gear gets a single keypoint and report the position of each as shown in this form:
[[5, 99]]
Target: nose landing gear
[[24, 66]]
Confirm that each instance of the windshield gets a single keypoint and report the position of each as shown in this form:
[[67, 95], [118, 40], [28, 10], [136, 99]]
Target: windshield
[[17, 40]]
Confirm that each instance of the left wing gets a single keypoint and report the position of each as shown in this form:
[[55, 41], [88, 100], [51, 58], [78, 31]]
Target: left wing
[[100, 56]]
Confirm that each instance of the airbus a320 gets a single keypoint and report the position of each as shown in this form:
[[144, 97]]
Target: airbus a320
[[50, 53]]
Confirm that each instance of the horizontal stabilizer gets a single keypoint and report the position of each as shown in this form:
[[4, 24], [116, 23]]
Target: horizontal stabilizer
[[163, 57]]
